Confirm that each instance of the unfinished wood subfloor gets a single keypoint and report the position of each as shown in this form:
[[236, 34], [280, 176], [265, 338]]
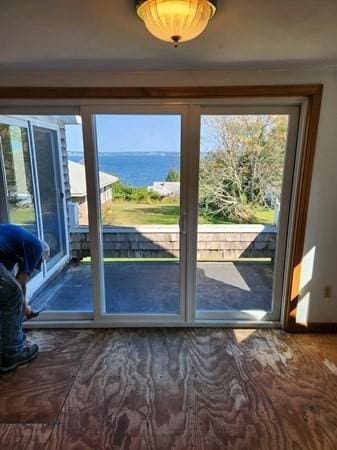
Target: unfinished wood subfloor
[[173, 389]]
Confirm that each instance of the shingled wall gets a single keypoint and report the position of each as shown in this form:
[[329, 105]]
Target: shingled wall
[[214, 242]]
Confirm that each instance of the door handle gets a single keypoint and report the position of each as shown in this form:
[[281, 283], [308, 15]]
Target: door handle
[[182, 223]]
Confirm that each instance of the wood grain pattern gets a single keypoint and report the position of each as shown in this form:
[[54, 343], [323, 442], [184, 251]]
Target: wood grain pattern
[[42, 386], [289, 393], [24, 437], [202, 389], [205, 389], [59, 92], [317, 327]]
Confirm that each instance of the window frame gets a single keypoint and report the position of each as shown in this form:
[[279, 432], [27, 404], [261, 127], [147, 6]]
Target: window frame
[[308, 96]]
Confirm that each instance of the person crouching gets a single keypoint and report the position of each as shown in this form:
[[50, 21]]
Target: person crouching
[[18, 248]]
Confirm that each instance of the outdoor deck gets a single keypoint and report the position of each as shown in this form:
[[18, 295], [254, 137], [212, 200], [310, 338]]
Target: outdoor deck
[[153, 287]]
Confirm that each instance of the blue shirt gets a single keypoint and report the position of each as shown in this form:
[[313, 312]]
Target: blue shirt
[[18, 246]]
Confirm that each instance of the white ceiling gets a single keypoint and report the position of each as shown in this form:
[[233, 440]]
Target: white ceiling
[[107, 35]]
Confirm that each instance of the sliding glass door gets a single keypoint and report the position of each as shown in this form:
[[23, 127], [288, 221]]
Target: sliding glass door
[[192, 216], [140, 199], [20, 203], [51, 191], [32, 186], [173, 214], [246, 168], [17, 171]]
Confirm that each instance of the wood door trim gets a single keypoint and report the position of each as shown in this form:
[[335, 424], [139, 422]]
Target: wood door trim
[[33, 92], [315, 327], [301, 209], [313, 94]]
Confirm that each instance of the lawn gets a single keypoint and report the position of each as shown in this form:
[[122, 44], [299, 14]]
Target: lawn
[[134, 213], [22, 216], [161, 213], [264, 216]]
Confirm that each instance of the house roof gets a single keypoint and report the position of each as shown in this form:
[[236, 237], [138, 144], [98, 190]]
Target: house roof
[[78, 186], [165, 188]]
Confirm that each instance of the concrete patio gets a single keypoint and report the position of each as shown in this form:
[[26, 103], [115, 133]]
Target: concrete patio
[[153, 287]]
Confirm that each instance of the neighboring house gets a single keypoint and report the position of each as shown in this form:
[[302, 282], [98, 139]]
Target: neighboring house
[[166, 188], [78, 189]]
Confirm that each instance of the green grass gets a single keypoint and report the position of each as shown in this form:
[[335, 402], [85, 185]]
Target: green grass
[[87, 259], [134, 213], [165, 212], [264, 216], [22, 216]]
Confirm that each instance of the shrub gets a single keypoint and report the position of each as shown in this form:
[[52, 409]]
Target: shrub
[[173, 175], [122, 191], [243, 166]]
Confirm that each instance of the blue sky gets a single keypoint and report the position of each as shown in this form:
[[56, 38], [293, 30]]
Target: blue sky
[[130, 133]]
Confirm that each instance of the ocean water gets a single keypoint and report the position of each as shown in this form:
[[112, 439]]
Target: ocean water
[[137, 169]]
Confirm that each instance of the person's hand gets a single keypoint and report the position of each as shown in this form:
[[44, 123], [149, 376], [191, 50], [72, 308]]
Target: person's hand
[[27, 310]]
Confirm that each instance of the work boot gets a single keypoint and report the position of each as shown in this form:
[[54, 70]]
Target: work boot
[[27, 354]]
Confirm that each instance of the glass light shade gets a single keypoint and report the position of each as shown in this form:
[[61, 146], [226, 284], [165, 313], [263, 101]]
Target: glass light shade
[[176, 20]]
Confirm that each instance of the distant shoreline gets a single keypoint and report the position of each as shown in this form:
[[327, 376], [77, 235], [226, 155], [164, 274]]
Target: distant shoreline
[[154, 153], [139, 169]]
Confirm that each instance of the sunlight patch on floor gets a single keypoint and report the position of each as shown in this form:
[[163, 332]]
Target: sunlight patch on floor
[[242, 334], [232, 275]]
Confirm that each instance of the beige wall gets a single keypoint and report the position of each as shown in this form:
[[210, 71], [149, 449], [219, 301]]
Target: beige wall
[[83, 213], [320, 262], [106, 194]]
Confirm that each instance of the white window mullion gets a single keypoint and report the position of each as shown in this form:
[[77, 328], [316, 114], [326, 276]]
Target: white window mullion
[[94, 211], [4, 213], [192, 209]]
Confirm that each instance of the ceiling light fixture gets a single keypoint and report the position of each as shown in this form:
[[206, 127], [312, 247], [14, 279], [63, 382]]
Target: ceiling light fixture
[[176, 20]]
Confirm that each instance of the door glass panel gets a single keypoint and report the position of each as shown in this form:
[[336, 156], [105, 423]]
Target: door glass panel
[[15, 153], [63, 219], [240, 184], [51, 192], [139, 176]]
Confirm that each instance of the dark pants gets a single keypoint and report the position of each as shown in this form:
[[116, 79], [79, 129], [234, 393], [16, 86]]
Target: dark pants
[[11, 314]]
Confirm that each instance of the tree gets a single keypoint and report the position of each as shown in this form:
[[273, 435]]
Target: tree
[[243, 165], [173, 175]]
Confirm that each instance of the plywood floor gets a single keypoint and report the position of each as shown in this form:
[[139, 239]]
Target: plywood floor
[[166, 389]]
